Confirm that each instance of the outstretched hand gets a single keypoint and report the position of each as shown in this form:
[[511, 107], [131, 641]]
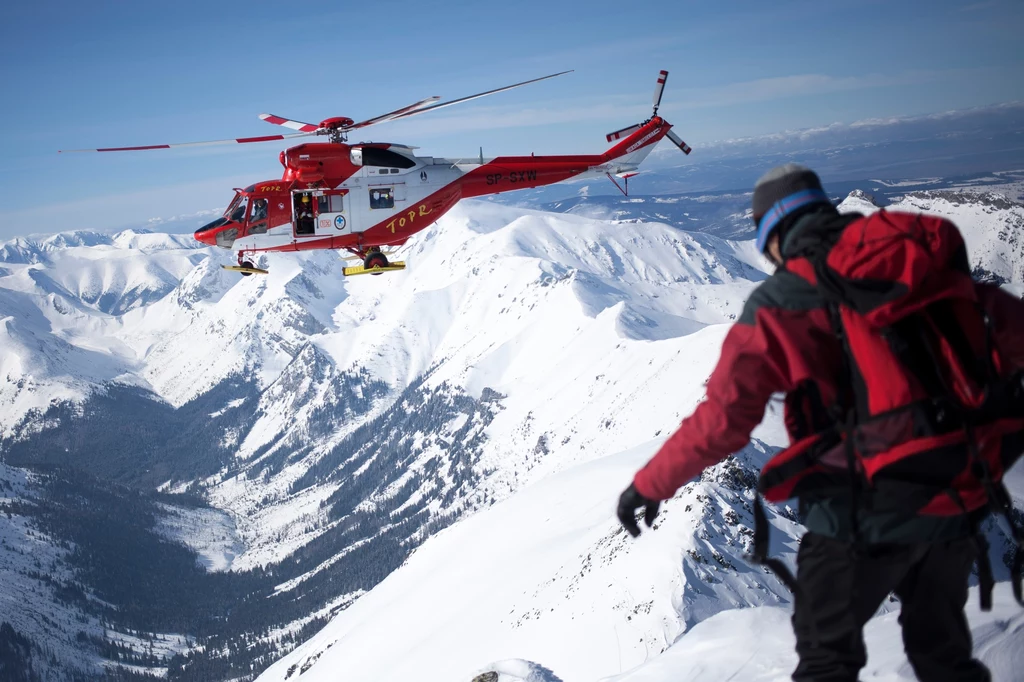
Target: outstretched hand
[[629, 501]]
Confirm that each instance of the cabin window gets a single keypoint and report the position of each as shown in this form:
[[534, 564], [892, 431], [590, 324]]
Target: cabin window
[[375, 156], [331, 203], [394, 170], [382, 197], [258, 219]]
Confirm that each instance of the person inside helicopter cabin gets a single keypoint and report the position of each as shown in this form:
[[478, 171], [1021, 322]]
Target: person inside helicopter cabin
[[258, 219], [303, 215], [259, 209]]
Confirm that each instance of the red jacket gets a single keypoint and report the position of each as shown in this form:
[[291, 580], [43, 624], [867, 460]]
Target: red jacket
[[783, 342]]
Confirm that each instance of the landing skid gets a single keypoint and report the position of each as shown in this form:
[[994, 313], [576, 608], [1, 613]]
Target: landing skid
[[246, 270], [377, 270]]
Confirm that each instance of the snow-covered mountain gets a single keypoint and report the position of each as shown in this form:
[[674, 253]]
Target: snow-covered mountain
[[511, 379]]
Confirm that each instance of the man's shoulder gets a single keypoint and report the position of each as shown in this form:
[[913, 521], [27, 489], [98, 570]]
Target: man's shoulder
[[784, 290]]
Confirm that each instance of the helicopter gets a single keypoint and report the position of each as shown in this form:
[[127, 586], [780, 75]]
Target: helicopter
[[370, 196]]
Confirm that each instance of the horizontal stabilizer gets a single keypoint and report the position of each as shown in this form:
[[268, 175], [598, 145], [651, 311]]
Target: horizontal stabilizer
[[677, 141]]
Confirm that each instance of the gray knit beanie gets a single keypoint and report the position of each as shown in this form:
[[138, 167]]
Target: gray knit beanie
[[779, 193]]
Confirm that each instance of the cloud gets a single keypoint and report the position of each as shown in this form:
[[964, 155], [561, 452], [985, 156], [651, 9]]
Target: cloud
[[955, 142], [977, 6], [782, 87], [865, 126]]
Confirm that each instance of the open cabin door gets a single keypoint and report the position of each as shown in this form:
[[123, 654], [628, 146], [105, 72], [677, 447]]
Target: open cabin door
[[320, 213]]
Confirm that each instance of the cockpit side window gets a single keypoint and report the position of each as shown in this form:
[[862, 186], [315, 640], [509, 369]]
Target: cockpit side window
[[258, 218]]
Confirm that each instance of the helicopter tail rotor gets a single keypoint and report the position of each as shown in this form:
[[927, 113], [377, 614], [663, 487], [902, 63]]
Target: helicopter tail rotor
[[659, 89], [626, 133], [619, 134], [677, 141]]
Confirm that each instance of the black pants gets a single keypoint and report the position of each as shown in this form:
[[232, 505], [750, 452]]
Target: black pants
[[841, 589]]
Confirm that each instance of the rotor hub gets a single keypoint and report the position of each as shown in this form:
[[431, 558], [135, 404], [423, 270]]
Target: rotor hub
[[336, 122]]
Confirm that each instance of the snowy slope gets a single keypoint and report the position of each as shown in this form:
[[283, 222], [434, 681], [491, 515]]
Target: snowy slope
[[549, 576], [533, 310], [531, 313], [59, 301], [756, 645]]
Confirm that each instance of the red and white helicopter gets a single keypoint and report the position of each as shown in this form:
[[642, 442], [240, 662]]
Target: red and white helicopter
[[365, 196]]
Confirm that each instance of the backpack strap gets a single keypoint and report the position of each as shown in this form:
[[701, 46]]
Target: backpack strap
[[986, 581], [762, 530], [1016, 574], [999, 498], [846, 418]]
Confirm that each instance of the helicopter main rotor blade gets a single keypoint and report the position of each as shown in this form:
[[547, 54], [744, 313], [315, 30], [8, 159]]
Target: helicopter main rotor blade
[[392, 114], [237, 140], [441, 105], [307, 129], [288, 123]]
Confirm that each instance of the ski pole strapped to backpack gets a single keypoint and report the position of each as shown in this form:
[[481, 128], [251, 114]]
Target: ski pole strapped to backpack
[[932, 415]]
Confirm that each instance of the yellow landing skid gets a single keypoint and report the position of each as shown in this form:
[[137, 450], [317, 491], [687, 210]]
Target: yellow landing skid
[[360, 270], [245, 270]]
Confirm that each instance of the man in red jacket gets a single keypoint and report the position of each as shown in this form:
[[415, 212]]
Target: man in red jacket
[[784, 342]]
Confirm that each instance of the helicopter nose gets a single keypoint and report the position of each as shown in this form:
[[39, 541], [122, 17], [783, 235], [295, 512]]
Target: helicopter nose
[[211, 233], [206, 236]]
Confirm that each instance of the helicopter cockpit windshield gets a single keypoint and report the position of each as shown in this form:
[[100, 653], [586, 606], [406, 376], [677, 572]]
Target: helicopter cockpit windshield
[[236, 209]]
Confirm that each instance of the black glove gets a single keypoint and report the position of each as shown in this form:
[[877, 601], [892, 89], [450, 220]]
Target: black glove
[[629, 501]]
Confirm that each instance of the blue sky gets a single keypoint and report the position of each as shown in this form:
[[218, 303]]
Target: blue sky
[[91, 74]]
